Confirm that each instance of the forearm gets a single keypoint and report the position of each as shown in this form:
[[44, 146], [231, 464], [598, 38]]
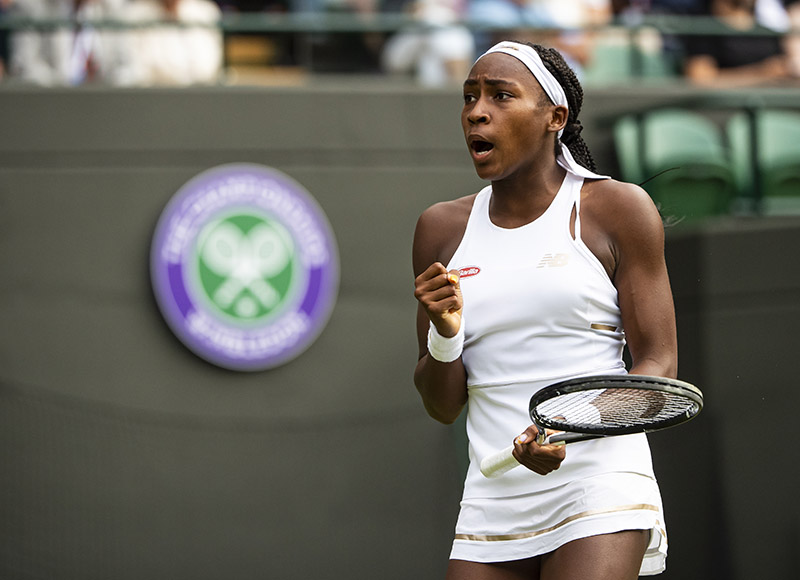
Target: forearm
[[653, 341], [704, 70], [651, 331]]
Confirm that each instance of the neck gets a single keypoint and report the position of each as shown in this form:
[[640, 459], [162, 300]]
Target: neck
[[520, 199]]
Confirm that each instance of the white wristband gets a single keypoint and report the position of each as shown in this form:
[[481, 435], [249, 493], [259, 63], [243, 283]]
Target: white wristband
[[443, 349]]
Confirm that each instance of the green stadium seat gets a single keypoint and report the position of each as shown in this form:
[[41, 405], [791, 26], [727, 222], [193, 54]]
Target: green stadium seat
[[628, 148], [616, 57], [778, 146], [680, 159]]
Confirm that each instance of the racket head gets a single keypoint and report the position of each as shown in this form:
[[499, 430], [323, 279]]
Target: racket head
[[615, 404]]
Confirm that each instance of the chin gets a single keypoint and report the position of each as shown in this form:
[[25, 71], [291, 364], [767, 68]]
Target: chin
[[485, 173], [490, 176]]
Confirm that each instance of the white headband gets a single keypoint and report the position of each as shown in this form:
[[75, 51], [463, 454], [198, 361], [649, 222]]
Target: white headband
[[531, 59], [552, 88]]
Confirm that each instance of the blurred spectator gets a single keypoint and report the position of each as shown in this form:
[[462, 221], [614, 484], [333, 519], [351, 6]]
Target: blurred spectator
[[509, 14], [771, 14], [792, 39], [735, 58], [505, 15], [563, 24], [253, 48], [244, 6], [351, 52], [438, 52], [69, 55], [4, 5], [186, 50], [579, 21], [631, 10]]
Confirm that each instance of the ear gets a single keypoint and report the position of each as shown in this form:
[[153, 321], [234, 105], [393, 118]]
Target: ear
[[558, 119]]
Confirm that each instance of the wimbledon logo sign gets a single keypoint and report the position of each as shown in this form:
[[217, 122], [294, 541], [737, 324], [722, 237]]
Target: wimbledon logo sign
[[244, 267]]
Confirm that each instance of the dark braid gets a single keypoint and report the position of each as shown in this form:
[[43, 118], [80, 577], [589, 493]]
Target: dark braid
[[554, 62]]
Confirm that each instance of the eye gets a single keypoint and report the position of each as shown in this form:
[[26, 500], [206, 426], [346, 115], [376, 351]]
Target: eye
[[469, 98], [502, 96]]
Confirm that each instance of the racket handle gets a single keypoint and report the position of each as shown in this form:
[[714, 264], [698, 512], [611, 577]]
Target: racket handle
[[499, 463], [503, 461]]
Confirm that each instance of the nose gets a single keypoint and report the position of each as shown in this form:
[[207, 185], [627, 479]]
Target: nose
[[478, 114]]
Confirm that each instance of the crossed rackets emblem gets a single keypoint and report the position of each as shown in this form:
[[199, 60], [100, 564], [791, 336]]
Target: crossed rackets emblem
[[246, 261]]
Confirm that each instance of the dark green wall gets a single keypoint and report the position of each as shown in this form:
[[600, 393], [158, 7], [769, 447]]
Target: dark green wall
[[126, 456], [730, 477]]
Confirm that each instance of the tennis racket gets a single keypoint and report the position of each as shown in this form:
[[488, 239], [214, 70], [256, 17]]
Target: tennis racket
[[602, 406]]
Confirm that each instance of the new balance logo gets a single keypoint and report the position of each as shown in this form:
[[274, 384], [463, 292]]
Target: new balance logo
[[553, 261]]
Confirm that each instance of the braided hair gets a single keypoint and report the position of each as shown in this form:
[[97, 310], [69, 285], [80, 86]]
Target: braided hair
[[555, 63]]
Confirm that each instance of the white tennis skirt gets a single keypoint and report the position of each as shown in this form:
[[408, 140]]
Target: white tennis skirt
[[519, 527]]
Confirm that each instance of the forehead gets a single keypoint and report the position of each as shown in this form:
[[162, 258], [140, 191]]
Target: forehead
[[498, 66]]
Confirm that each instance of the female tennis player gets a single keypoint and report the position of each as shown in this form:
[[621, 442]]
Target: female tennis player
[[542, 276]]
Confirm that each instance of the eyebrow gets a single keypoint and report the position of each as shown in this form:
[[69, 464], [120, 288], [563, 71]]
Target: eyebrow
[[491, 82]]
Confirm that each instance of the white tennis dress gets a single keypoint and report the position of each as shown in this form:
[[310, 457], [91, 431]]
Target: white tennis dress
[[539, 308]]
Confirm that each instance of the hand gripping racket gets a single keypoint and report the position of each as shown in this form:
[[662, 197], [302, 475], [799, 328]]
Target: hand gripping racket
[[602, 406]]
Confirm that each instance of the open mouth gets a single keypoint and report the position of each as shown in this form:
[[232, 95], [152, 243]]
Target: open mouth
[[480, 147]]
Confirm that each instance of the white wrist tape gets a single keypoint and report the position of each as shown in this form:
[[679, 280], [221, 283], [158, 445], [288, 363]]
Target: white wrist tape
[[445, 349]]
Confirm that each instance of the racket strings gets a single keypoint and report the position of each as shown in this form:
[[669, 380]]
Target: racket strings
[[612, 408]]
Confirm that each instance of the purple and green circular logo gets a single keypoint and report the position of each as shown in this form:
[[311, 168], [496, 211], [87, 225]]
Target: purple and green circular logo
[[244, 267]]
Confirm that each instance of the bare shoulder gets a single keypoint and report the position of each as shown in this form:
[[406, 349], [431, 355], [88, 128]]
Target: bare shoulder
[[620, 209], [439, 231], [620, 224], [446, 210]]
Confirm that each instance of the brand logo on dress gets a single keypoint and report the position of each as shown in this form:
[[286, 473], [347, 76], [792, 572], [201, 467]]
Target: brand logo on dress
[[553, 261], [244, 267], [468, 271]]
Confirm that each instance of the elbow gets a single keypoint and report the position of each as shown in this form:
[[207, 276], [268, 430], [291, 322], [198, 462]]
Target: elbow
[[444, 411], [666, 367], [447, 417], [673, 368], [672, 371], [669, 365], [444, 395]]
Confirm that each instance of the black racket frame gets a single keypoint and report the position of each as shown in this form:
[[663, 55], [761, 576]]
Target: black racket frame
[[639, 382]]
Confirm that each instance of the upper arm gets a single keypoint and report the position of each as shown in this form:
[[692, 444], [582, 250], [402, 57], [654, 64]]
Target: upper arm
[[439, 231], [426, 247], [635, 236], [437, 235]]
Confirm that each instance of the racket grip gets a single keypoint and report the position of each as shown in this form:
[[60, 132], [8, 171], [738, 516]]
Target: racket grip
[[499, 463]]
